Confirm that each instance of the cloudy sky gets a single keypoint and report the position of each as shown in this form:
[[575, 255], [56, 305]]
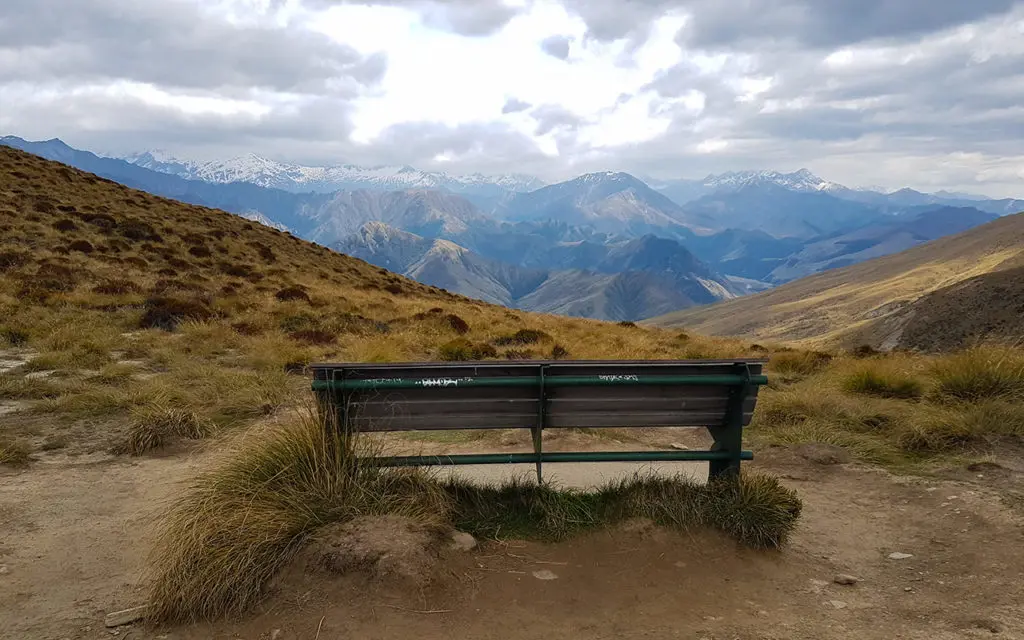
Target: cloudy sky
[[925, 93]]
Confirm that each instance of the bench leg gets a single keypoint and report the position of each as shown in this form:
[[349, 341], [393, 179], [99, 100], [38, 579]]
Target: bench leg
[[728, 438], [537, 439]]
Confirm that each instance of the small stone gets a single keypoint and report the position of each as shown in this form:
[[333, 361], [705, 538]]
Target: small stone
[[462, 541], [845, 578], [275, 634], [898, 555], [837, 604], [3, 569], [908, 589], [544, 574], [679, 447]]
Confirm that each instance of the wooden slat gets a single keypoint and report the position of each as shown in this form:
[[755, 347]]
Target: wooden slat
[[431, 423], [552, 368], [444, 407], [511, 421], [644, 419]]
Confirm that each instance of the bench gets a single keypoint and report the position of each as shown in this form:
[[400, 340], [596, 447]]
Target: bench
[[538, 394]]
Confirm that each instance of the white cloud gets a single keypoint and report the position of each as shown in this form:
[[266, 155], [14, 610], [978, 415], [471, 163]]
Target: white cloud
[[864, 93]]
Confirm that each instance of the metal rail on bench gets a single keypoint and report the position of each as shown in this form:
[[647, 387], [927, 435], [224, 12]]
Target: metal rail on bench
[[717, 394]]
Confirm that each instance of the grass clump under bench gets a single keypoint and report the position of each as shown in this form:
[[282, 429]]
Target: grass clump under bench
[[238, 524]]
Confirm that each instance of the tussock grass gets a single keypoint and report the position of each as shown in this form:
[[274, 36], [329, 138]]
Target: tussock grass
[[16, 387], [880, 378], [238, 524], [15, 452], [798, 362], [758, 511], [950, 429], [979, 373], [156, 425]]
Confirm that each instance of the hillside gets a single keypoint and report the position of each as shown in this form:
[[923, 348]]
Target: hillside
[[884, 237], [985, 307], [630, 280], [862, 303]]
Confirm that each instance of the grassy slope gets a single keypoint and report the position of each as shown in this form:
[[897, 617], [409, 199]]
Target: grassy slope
[[86, 264], [860, 304]]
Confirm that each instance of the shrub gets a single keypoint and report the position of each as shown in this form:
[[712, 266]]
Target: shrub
[[313, 336], [457, 324], [628, 324], [394, 288], [875, 381], [12, 259], [558, 352], [116, 287], [238, 270], [978, 374], [200, 252], [13, 337], [102, 220], [137, 230], [294, 292], [461, 349], [65, 225], [167, 313], [522, 337]]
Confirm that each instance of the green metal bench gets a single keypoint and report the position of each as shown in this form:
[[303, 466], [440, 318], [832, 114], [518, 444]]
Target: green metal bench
[[716, 394]]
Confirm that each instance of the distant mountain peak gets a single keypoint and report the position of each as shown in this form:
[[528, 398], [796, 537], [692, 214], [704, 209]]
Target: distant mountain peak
[[800, 180], [606, 176]]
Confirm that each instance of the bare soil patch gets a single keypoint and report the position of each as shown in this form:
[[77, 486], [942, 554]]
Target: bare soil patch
[[74, 534]]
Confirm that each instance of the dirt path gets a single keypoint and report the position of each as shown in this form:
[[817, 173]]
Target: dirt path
[[73, 541]]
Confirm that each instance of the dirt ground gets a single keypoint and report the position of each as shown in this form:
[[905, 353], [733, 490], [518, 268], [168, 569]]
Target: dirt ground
[[74, 533]]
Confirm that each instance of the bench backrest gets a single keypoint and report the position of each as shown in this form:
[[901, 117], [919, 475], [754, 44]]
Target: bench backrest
[[540, 394]]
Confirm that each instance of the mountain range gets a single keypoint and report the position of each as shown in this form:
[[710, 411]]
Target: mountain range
[[264, 172], [741, 231], [630, 280]]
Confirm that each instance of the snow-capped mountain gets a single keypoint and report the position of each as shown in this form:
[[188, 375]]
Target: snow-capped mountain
[[802, 180], [264, 172]]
